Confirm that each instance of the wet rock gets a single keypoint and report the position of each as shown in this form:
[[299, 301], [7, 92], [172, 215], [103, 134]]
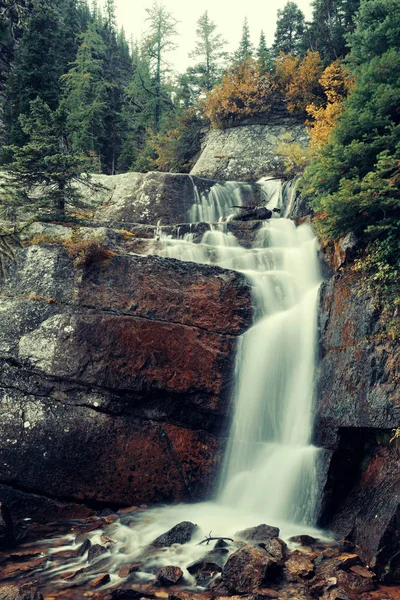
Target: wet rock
[[168, 575], [276, 547], [83, 548], [345, 561], [146, 197], [183, 595], [129, 568], [95, 552], [354, 583], [253, 214], [212, 562], [258, 533], [7, 538], [358, 403], [181, 533], [298, 567], [11, 570], [248, 569], [304, 540], [13, 592], [166, 289], [100, 580]]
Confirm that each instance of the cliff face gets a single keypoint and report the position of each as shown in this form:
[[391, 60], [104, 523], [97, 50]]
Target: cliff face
[[115, 375], [358, 407], [248, 152]]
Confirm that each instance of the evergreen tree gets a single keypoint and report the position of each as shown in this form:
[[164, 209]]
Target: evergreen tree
[[159, 41], [354, 182], [246, 48], [210, 48], [38, 63], [86, 96], [45, 160], [290, 26], [264, 59], [332, 21]]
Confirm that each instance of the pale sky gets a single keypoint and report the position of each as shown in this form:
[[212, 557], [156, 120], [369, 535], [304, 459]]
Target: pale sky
[[227, 15]]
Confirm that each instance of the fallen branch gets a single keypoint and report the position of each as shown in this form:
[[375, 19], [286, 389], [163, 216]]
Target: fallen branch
[[209, 539]]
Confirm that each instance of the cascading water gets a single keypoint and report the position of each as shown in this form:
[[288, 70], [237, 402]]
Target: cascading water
[[270, 470], [270, 465]]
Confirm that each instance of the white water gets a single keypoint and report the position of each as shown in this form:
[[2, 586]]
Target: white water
[[270, 464], [270, 470]]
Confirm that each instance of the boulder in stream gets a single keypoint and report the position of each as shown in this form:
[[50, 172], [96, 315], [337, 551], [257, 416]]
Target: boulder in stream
[[181, 533], [248, 569]]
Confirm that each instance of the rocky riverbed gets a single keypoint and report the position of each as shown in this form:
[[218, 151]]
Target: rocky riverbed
[[84, 559]]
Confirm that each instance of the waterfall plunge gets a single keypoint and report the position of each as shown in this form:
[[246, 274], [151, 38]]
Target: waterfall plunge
[[270, 468], [270, 464]]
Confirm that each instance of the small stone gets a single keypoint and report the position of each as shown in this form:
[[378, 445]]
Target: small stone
[[71, 574], [363, 572], [95, 552], [127, 569], [83, 548], [168, 575], [100, 580]]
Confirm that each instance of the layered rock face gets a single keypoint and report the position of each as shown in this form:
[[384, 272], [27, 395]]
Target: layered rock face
[[249, 151], [358, 408], [115, 376]]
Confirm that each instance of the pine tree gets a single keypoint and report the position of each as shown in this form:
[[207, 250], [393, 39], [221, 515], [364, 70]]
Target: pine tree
[[86, 96], [159, 41], [354, 181], [38, 63], [290, 26], [210, 48], [246, 48], [264, 59], [46, 160], [332, 21]]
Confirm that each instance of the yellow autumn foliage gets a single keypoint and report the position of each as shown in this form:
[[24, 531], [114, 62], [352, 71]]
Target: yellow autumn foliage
[[336, 83], [244, 92]]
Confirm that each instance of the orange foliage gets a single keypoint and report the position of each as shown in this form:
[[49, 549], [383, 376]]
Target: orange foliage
[[336, 83], [244, 92], [300, 79]]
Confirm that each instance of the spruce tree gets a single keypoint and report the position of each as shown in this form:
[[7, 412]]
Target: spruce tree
[[246, 48], [158, 42], [44, 170], [39, 63], [290, 27], [333, 21], [210, 49], [354, 182], [86, 97], [264, 60]]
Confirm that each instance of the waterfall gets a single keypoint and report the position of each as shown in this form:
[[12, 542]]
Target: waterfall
[[270, 469], [270, 465]]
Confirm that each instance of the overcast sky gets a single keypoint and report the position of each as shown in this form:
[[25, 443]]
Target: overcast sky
[[227, 14]]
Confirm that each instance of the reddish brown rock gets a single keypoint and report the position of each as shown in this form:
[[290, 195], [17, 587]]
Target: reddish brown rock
[[95, 456], [129, 568], [100, 580], [248, 569], [170, 290], [298, 567], [168, 575], [354, 583], [13, 592]]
